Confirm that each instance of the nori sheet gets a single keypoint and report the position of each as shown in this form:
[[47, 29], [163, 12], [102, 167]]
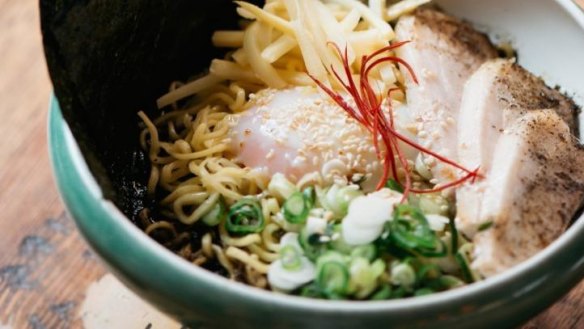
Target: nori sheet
[[109, 59]]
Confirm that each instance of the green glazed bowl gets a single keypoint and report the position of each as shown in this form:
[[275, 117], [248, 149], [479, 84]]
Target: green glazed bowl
[[201, 299]]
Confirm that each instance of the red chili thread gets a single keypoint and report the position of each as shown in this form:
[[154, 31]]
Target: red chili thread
[[369, 113]]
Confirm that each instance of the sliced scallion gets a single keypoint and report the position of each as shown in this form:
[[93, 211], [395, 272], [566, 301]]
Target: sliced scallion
[[291, 258], [441, 250], [332, 256], [365, 276], [463, 259], [311, 290], [296, 208], [309, 196], [410, 231], [485, 226], [338, 243], [311, 244], [337, 198], [245, 217], [428, 272], [454, 236], [423, 292], [216, 214], [281, 187], [399, 292], [368, 251], [333, 279], [383, 293], [394, 185], [445, 282], [402, 274]]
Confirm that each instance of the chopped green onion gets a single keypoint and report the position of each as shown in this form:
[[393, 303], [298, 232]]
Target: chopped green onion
[[454, 234], [296, 208], [386, 244], [445, 282], [311, 290], [338, 243], [315, 239], [290, 258], [428, 272], [359, 269], [216, 214], [332, 256], [440, 251], [245, 217], [377, 267], [485, 226], [410, 231], [309, 196], [399, 292], [364, 276], [368, 252], [311, 244], [394, 185], [337, 198], [463, 259], [403, 275], [423, 292], [383, 293], [333, 279], [281, 187]]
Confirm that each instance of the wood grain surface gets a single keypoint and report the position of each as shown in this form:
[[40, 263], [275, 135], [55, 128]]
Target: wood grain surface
[[46, 269]]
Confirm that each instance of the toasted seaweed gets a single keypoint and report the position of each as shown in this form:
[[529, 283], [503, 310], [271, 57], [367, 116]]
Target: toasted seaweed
[[110, 59]]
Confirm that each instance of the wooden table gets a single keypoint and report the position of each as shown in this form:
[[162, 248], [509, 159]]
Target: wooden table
[[48, 276]]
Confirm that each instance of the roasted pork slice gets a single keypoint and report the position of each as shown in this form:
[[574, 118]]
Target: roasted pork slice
[[498, 93], [532, 192], [444, 52]]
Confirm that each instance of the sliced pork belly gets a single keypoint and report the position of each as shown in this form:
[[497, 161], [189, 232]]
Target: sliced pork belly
[[495, 96], [444, 53], [534, 189]]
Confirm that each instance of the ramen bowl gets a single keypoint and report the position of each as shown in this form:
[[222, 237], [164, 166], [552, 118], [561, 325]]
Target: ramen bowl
[[135, 51]]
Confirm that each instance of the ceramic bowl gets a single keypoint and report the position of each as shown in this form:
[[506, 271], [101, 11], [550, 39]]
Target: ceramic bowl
[[549, 36]]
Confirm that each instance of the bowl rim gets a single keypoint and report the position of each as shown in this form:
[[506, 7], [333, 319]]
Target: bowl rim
[[574, 10], [82, 195]]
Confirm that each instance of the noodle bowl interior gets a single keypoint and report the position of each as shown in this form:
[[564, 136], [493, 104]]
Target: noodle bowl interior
[[296, 164]]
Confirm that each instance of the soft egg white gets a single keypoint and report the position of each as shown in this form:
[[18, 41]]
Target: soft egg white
[[299, 130]]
